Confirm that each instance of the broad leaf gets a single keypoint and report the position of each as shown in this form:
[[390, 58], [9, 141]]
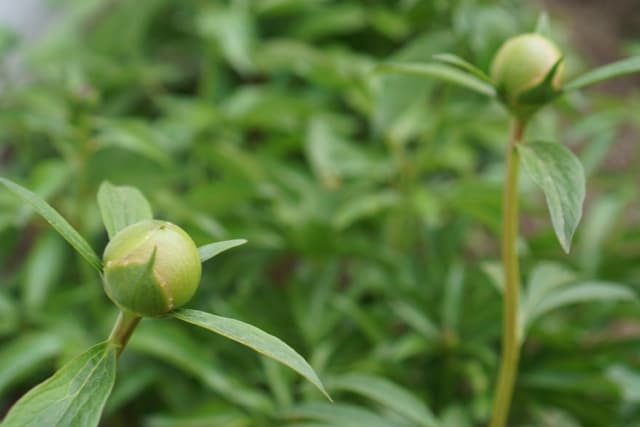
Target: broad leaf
[[212, 249], [559, 173], [74, 396], [606, 72], [121, 206], [253, 338], [389, 395], [57, 222], [439, 72], [456, 61]]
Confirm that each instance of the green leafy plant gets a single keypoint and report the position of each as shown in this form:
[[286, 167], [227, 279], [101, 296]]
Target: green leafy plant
[[370, 202], [526, 75], [150, 268]]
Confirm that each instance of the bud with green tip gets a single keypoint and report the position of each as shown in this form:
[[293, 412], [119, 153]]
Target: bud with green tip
[[526, 72], [151, 268]]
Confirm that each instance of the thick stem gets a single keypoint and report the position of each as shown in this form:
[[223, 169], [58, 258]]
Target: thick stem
[[511, 300], [122, 330]]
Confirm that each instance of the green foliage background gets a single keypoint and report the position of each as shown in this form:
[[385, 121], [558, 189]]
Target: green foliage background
[[371, 204]]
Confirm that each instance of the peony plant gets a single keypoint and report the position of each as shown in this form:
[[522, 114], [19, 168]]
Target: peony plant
[[150, 269], [526, 74]]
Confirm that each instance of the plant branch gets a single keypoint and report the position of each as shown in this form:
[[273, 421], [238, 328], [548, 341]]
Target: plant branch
[[511, 303], [122, 329]]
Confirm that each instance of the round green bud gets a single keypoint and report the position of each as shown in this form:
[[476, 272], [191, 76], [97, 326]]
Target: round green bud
[[151, 268], [522, 63]]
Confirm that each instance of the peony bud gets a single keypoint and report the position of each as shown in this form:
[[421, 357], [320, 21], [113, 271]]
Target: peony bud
[[151, 268], [524, 63]]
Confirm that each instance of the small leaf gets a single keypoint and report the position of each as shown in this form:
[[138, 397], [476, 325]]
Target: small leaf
[[44, 267], [364, 206], [577, 293], [170, 343], [340, 414], [121, 206], [389, 395], [542, 24], [24, 355], [455, 60], [134, 136], [73, 396], [606, 72], [253, 338], [439, 72], [212, 249], [545, 278], [57, 222], [559, 173]]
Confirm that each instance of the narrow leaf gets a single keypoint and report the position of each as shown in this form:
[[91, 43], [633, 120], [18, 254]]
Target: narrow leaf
[[24, 355], [559, 173], [170, 343], [606, 72], [340, 414], [44, 268], [121, 206], [439, 72], [73, 396], [57, 222], [212, 249], [253, 338], [456, 61], [545, 278], [577, 293], [542, 24], [389, 395]]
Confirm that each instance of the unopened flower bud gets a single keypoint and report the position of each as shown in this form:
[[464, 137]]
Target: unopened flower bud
[[151, 268], [522, 64]]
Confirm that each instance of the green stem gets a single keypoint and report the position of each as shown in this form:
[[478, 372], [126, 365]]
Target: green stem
[[511, 303], [122, 330]]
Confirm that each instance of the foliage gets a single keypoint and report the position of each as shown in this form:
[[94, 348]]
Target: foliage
[[369, 201]]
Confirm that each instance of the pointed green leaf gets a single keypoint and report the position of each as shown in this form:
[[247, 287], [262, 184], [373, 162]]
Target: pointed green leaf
[[456, 61], [121, 206], [24, 355], [253, 338], [578, 293], [606, 72], [57, 222], [170, 343], [341, 414], [439, 72], [44, 267], [545, 278], [542, 24], [74, 396], [389, 395], [212, 249], [559, 173]]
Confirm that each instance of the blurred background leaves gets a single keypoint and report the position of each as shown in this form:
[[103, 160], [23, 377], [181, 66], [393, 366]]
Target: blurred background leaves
[[370, 203]]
